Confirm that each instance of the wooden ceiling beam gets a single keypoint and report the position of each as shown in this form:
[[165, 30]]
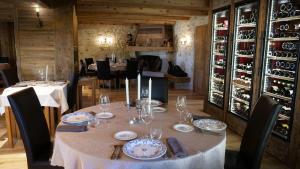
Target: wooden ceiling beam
[[124, 21], [140, 11], [131, 16], [159, 4]]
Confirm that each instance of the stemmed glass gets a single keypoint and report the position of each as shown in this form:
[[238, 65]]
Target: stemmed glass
[[180, 106], [146, 115], [104, 103], [144, 93]]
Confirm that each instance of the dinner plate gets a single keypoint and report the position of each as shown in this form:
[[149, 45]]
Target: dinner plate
[[77, 118], [125, 135], [159, 109], [183, 127], [144, 149], [210, 125], [154, 103], [104, 115]]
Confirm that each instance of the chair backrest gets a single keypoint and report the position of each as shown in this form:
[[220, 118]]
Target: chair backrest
[[89, 61], [10, 76], [131, 69], [82, 69], [72, 90], [31, 121], [159, 88], [103, 70], [258, 131]]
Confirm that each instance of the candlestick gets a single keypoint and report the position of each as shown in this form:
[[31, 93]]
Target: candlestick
[[150, 90], [127, 92], [139, 87], [46, 73]]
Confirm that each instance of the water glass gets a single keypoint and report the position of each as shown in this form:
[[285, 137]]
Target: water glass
[[180, 106], [188, 118], [155, 133], [104, 103], [146, 115]]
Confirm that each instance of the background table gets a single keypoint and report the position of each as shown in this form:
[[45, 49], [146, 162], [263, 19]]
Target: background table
[[49, 96], [92, 149]]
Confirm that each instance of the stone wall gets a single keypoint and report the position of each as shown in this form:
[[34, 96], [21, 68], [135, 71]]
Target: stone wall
[[184, 32], [89, 46]]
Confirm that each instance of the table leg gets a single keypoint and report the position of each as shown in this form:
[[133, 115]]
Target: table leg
[[47, 117], [9, 124], [52, 121]]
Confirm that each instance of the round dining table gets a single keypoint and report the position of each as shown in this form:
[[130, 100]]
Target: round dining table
[[93, 148]]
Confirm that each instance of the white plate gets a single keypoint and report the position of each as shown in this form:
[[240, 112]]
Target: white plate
[[125, 135], [159, 109], [104, 115], [77, 118], [154, 103], [144, 149], [210, 125], [183, 127]]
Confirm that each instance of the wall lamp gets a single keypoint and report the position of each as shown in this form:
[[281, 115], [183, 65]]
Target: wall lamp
[[105, 40], [37, 10]]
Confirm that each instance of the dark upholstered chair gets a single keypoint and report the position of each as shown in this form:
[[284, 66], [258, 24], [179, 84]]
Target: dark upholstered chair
[[89, 61], [131, 69], [10, 76], [33, 128], [72, 91], [159, 88], [255, 137], [103, 71]]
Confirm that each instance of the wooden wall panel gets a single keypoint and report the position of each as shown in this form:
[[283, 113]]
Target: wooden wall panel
[[220, 3], [201, 56], [36, 44]]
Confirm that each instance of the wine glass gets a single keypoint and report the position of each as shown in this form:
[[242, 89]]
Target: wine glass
[[41, 74], [144, 93], [155, 133], [180, 106], [146, 115], [104, 103]]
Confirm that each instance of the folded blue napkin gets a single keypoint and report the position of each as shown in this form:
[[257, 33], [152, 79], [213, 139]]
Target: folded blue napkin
[[176, 147], [71, 128]]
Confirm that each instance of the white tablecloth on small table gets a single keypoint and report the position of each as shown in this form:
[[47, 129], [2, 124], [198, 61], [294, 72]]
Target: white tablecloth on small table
[[92, 149], [50, 96]]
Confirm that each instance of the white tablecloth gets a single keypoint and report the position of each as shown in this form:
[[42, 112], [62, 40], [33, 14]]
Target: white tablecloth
[[50, 96], [92, 149]]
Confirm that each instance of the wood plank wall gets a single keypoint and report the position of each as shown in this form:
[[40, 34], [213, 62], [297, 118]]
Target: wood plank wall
[[52, 44]]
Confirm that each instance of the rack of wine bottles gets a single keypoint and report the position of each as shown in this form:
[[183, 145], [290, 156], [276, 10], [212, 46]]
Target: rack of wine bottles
[[281, 58], [218, 57], [244, 45]]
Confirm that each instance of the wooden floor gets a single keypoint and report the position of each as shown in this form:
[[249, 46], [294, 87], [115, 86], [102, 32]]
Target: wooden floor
[[15, 158]]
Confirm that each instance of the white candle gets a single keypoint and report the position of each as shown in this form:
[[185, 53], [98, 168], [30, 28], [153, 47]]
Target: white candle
[[46, 73], [150, 89], [127, 92], [139, 87]]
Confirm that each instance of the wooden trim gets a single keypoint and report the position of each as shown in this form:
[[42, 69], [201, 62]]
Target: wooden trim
[[9, 124]]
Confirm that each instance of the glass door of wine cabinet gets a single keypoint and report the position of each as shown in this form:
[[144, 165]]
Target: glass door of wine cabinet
[[243, 56], [218, 58], [281, 57]]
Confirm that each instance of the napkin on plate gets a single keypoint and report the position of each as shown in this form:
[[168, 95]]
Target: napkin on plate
[[71, 128], [176, 147]]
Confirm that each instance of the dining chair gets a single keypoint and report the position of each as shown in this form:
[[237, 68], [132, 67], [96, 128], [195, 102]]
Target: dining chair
[[33, 128], [159, 88], [10, 76], [131, 69], [104, 73], [82, 68], [72, 91], [256, 135]]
